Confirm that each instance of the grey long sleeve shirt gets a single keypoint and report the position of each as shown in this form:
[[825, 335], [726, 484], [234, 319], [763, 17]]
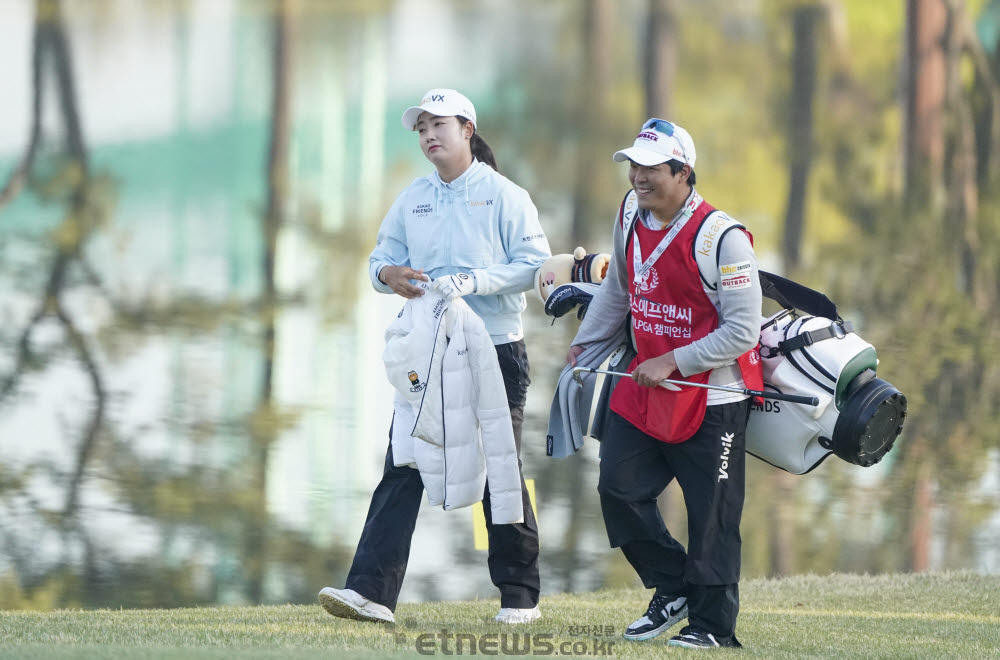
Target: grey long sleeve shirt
[[739, 311]]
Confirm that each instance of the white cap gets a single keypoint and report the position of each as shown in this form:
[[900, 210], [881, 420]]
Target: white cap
[[657, 142], [441, 103]]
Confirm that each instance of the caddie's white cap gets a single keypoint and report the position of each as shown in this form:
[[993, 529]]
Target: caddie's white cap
[[442, 103], [657, 142]]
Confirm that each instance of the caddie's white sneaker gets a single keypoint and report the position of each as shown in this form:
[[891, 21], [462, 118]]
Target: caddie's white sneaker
[[514, 615], [349, 604]]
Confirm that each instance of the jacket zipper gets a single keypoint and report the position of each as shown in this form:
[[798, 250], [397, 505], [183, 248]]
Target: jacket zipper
[[444, 431]]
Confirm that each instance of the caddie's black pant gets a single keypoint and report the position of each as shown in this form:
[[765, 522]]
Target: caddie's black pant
[[384, 548], [709, 466]]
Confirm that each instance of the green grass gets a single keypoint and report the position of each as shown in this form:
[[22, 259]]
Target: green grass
[[953, 615]]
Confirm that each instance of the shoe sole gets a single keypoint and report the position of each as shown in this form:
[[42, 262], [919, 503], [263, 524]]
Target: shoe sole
[[518, 620], [345, 610], [667, 625], [688, 645]]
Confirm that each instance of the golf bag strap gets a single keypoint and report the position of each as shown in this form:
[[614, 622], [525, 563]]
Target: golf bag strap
[[628, 213], [838, 329], [628, 219]]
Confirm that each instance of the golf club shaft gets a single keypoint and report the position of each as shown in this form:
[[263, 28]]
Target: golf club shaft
[[778, 396]]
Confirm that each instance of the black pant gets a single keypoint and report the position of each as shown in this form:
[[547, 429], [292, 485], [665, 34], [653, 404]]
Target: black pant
[[380, 560], [635, 468]]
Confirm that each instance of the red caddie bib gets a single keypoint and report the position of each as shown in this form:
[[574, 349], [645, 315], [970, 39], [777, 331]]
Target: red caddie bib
[[670, 309]]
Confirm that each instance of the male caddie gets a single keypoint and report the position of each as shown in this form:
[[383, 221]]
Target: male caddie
[[686, 276]]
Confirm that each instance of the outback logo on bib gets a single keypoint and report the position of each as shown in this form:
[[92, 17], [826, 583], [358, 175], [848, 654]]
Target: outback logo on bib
[[735, 276]]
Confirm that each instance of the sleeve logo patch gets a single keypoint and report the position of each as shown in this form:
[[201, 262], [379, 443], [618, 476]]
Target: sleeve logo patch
[[735, 276]]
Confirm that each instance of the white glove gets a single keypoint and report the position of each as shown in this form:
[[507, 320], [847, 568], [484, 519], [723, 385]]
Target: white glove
[[455, 286]]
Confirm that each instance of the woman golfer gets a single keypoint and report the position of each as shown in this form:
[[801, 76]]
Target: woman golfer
[[476, 235]]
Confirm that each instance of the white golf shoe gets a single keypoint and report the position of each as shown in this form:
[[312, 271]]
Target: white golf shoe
[[349, 604], [514, 615]]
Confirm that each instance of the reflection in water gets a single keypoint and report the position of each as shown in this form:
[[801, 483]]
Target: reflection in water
[[155, 247]]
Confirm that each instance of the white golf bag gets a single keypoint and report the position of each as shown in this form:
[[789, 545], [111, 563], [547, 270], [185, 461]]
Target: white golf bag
[[858, 417]]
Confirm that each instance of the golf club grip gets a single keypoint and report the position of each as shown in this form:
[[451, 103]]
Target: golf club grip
[[792, 398]]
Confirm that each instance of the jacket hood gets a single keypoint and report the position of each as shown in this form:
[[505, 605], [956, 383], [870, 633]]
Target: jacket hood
[[476, 172], [460, 186]]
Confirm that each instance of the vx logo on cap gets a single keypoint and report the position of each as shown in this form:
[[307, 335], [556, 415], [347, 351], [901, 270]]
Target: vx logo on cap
[[433, 97]]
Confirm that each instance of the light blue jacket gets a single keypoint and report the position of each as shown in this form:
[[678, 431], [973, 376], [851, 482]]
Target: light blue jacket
[[480, 223]]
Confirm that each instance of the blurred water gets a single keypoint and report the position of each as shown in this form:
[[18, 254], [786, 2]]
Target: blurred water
[[174, 109]]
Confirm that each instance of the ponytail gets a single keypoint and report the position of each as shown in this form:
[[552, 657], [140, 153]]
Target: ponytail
[[480, 150]]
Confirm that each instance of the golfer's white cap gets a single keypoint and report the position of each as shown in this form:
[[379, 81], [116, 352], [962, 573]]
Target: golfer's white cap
[[659, 141], [442, 103]]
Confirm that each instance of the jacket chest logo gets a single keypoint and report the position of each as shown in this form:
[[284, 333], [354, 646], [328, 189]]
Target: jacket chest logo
[[421, 209], [415, 379]]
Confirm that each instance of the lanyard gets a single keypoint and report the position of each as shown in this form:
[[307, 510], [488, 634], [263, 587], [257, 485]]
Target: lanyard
[[638, 265]]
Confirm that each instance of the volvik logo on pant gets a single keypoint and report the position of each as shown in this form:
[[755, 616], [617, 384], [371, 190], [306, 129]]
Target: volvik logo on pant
[[727, 446]]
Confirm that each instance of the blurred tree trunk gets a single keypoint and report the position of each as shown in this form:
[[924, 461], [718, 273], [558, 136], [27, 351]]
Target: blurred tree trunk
[[264, 426], [79, 212], [987, 136], [921, 534], [82, 216], [987, 112], [594, 82], [568, 562], [924, 98], [963, 192], [923, 165], [781, 525], [660, 57], [971, 140], [19, 177], [806, 20]]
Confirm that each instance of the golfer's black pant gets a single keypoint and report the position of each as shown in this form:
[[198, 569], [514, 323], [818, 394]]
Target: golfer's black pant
[[635, 468], [384, 548]]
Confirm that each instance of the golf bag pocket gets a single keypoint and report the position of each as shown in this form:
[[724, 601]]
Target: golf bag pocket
[[788, 435], [858, 416]]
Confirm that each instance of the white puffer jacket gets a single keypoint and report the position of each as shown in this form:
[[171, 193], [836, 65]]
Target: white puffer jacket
[[452, 422]]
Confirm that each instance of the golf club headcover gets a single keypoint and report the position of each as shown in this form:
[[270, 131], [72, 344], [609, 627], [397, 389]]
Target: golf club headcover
[[566, 297], [562, 269]]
